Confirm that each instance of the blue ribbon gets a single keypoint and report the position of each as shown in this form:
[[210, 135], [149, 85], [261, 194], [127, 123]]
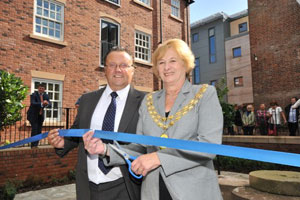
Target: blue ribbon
[[291, 159]]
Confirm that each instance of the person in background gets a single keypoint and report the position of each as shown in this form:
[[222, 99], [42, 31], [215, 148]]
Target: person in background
[[78, 100], [262, 117], [248, 119], [275, 113], [238, 123], [39, 100], [292, 115], [180, 111]]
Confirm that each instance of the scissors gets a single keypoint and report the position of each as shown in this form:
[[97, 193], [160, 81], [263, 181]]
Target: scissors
[[128, 158]]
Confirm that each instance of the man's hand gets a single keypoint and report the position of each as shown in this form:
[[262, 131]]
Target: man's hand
[[55, 140], [145, 163], [93, 145], [45, 103]]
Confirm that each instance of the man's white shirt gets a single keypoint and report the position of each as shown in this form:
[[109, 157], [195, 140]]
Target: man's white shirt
[[94, 173]]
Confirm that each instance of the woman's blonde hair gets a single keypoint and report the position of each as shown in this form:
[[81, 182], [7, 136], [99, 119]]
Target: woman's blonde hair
[[181, 48]]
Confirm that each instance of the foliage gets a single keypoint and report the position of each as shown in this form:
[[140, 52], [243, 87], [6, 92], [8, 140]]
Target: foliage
[[12, 93], [228, 109], [246, 166], [9, 190]]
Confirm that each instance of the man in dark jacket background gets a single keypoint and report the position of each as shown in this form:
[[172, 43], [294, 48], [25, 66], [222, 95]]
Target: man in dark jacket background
[[292, 117]]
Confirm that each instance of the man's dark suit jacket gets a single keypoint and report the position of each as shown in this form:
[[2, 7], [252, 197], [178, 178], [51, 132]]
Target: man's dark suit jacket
[[35, 106], [129, 119], [287, 112]]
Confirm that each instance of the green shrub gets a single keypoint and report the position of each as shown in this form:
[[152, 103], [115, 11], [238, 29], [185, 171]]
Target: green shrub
[[9, 190], [12, 93]]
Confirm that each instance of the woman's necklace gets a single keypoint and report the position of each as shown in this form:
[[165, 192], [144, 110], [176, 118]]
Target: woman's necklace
[[166, 122]]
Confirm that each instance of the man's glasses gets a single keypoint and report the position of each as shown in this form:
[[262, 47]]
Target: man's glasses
[[121, 66]]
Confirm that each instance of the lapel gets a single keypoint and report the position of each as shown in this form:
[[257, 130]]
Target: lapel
[[131, 107], [37, 96], [89, 110], [181, 98]]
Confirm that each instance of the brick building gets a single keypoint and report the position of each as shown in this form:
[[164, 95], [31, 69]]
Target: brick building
[[275, 50], [62, 43]]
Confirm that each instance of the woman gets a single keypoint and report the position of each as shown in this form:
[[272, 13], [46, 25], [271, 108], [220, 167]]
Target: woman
[[238, 123], [275, 112], [262, 117], [180, 111], [248, 121]]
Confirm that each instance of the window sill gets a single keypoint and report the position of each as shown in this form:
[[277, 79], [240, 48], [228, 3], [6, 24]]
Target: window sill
[[118, 5], [142, 62], [49, 124], [47, 40], [176, 18], [143, 4]]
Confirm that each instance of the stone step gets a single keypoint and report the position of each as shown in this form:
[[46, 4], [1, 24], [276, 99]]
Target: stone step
[[276, 182], [248, 193]]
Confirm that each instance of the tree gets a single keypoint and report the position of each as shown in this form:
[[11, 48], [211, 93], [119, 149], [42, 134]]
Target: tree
[[228, 109], [12, 93]]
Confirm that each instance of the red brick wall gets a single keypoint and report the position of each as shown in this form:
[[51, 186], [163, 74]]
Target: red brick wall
[[43, 163], [275, 40], [79, 60]]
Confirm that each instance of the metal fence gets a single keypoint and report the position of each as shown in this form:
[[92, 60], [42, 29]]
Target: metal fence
[[63, 119]]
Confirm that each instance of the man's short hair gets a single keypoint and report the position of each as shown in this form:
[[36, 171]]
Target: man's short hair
[[117, 49], [41, 85]]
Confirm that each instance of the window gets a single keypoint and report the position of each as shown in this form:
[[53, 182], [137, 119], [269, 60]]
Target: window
[[237, 52], [49, 19], [142, 46], [109, 37], [243, 27], [54, 90], [175, 4], [212, 45], [195, 37], [197, 71], [213, 82], [145, 2], [114, 1], [238, 81]]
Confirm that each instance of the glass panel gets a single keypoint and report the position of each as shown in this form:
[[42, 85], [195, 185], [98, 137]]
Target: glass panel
[[237, 52], [50, 87], [50, 94], [55, 114], [57, 26], [212, 47], [51, 24], [52, 15], [52, 6], [57, 34], [51, 32], [36, 84], [39, 11], [46, 13], [212, 58], [45, 30], [56, 96], [58, 8], [46, 4], [39, 3], [45, 22], [211, 32], [57, 87], [55, 104], [38, 29], [58, 17], [38, 20], [48, 113]]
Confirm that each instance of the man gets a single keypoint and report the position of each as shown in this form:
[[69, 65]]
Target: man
[[35, 115], [91, 182], [292, 117]]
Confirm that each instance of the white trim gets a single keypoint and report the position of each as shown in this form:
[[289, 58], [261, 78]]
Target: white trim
[[61, 22], [175, 7], [149, 49], [117, 4]]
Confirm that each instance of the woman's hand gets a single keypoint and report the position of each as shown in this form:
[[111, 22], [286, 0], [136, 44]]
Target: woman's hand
[[93, 145], [145, 163]]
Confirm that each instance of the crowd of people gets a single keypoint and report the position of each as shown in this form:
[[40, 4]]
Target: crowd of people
[[266, 121]]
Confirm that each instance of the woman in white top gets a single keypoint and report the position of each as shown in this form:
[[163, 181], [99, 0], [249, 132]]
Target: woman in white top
[[275, 120]]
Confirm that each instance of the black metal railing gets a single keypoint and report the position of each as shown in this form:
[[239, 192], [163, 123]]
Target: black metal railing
[[63, 119]]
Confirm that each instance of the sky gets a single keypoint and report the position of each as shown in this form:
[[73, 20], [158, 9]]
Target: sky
[[204, 8]]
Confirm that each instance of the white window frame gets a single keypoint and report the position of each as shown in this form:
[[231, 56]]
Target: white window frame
[[100, 35], [110, 1], [147, 2], [138, 54], [48, 19], [175, 8], [54, 108]]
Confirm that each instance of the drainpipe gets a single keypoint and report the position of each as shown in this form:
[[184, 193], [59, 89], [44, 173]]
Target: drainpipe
[[161, 25]]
